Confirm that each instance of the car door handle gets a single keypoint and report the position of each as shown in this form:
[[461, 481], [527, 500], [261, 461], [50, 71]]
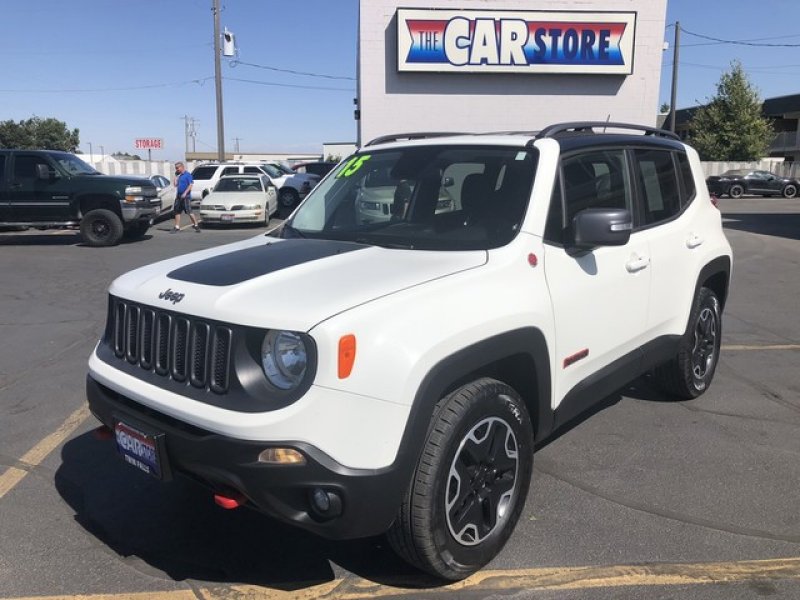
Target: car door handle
[[694, 241], [637, 263]]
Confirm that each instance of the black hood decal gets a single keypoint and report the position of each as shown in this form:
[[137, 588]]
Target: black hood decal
[[241, 265]]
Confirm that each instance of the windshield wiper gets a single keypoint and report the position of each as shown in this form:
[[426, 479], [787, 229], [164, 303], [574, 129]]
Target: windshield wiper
[[293, 233], [392, 245]]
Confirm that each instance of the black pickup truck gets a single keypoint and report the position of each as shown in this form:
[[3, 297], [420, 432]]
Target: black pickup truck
[[53, 189]]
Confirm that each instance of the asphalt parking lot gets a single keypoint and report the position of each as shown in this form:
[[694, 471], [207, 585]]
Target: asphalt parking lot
[[648, 498]]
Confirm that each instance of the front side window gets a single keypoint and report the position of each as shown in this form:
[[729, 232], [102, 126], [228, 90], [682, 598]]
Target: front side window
[[74, 165], [431, 197], [595, 179], [659, 185]]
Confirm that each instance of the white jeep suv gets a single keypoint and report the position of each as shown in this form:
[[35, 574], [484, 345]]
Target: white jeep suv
[[354, 375]]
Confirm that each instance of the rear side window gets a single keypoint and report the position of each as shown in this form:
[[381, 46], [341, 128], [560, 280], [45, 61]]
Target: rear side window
[[229, 171], [2, 168], [203, 172], [658, 182], [689, 189], [253, 170]]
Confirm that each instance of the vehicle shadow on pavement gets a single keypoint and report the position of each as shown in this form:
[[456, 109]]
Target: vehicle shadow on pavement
[[786, 225], [176, 528], [50, 238]]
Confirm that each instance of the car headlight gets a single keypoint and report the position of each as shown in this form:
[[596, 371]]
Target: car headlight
[[284, 358], [134, 193], [251, 207]]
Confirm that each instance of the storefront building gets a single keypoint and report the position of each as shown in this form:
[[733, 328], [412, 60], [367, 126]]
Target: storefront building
[[506, 65]]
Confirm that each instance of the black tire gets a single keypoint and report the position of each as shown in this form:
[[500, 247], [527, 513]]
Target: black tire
[[789, 190], [137, 230], [451, 531], [736, 190], [101, 227], [288, 198], [690, 372]]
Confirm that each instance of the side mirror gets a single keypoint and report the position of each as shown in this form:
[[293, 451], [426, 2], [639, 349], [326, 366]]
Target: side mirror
[[593, 227], [448, 182]]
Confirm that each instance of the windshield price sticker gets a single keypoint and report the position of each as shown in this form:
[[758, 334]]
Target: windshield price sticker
[[353, 165]]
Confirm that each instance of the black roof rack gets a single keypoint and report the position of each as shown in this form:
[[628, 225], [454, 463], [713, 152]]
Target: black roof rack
[[589, 126], [420, 135]]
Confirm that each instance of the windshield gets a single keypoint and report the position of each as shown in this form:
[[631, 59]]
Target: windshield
[[273, 172], [425, 197], [238, 184], [74, 165]]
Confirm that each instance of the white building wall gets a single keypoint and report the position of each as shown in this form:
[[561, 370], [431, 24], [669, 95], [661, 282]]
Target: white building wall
[[393, 102]]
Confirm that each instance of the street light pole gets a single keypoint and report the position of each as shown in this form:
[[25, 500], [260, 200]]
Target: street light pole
[[673, 98], [218, 80], [91, 154]]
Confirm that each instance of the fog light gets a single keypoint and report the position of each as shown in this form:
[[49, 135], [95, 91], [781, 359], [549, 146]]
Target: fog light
[[325, 503], [321, 501], [281, 456]]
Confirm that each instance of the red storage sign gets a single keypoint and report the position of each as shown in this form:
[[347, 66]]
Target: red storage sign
[[148, 144]]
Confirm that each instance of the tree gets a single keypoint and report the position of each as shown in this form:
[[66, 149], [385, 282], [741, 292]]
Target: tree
[[126, 156], [731, 125], [38, 133], [664, 108]]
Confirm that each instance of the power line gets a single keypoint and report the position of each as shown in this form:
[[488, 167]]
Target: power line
[[121, 89], [235, 63], [289, 85], [740, 42]]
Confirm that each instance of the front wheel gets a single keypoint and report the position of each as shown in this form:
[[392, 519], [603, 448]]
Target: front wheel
[[470, 484], [790, 191], [690, 372], [736, 191], [101, 227], [288, 197]]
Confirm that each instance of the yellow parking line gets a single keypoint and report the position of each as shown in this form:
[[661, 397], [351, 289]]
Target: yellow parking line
[[551, 578], [39, 452], [761, 347]]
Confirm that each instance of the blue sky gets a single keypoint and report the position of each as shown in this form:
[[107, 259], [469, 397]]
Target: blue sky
[[122, 69]]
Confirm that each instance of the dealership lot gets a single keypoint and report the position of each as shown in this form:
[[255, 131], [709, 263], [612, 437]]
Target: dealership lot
[[688, 492]]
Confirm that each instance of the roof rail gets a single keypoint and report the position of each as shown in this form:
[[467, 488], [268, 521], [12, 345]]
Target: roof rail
[[420, 135], [589, 126]]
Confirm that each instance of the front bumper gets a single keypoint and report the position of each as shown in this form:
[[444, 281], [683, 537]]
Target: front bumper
[[239, 216], [368, 498], [141, 211]]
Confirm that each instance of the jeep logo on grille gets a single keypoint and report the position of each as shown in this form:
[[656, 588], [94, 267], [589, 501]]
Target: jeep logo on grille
[[174, 297]]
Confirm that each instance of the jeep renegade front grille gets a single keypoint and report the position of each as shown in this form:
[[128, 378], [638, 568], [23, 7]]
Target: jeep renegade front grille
[[183, 348]]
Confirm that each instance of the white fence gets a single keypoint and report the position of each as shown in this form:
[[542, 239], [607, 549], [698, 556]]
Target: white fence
[[143, 168]]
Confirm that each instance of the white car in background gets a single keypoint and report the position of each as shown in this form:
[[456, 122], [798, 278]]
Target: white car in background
[[166, 193], [292, 187], [240, 199], [205, 176]]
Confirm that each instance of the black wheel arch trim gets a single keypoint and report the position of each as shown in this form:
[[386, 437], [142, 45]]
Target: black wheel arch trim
[[474, 361], [717, 273]]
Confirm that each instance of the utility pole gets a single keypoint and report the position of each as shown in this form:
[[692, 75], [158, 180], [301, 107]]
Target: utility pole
[[673, 98], [236, 142], [91, 154], [218, 79], [186, 135]]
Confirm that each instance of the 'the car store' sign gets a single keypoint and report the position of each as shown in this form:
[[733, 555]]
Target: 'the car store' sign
[[515, 42]]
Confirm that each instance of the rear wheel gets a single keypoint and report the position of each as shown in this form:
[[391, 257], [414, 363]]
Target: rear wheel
[[101, 227], [789, 190], [736, 191], [690, 372], [470, 484]]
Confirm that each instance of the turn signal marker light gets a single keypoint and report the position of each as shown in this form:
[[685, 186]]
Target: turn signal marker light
[[347, 355]]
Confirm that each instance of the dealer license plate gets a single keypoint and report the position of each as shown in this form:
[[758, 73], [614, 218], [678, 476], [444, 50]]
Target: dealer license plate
[[138, 448], [227, 218]]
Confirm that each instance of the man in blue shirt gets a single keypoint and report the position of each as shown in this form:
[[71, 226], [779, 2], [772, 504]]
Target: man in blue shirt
[[183, 197]]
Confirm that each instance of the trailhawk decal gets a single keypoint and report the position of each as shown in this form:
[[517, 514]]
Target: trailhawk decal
[[481, 41], [241, 265]]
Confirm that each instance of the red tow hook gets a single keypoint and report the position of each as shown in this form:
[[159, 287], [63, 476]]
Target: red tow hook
[[230, 500], [103, 433]]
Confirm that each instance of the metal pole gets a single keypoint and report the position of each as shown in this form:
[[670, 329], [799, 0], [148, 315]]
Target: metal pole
[[675, 54], [186, 134], [218, 79], [91, 154]]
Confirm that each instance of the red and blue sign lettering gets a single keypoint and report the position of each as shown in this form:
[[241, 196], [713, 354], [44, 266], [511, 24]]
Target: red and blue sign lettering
[[495, 42]]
